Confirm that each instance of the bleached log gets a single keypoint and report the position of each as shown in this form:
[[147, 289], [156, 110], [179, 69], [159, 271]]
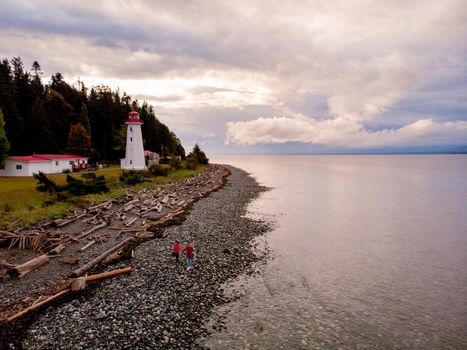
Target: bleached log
[[57, 250], [23, 269], [97, 206], [131, 221], [89, 265], [95, 228], [69, 221], [82, 249], [78, 284]]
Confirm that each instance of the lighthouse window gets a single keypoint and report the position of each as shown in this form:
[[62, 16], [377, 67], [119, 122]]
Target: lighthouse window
[[19, 167], [131, 138], [131, 128], [56, 162], [131, 162]]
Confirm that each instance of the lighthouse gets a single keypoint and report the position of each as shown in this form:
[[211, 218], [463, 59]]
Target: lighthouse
[[134, 152]]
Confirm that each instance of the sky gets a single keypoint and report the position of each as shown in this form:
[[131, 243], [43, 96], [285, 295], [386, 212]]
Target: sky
[[265, 77]]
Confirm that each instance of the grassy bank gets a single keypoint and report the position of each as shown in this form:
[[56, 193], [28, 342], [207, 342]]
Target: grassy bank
[[21, 204]]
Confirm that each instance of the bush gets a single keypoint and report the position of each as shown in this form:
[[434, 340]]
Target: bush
[[191, 163], [90, 184], [66, 171], [159, 169], [175, 163], [132, 177]]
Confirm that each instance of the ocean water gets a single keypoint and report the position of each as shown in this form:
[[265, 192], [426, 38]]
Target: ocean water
[[369, 252]]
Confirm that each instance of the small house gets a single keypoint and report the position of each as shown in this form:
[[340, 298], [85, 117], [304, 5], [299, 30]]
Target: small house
[[46, 163]]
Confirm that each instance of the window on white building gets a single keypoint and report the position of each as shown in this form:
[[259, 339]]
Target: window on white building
[[56, 162], [131, 128], [71, 162], [2, 166], [19, 167], [131, 162], [131, 138]]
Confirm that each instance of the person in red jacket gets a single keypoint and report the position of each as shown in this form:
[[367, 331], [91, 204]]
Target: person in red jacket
[[190, 253], [176, 251]]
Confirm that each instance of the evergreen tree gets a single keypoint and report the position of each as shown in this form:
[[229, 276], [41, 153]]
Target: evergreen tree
[[4, 144], [199, 154], [84, 120], [39, 135], [79, 141], [36, 79], [59, 113], [8, 105]]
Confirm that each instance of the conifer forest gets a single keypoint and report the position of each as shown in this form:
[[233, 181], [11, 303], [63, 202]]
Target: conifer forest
[[57, 117]]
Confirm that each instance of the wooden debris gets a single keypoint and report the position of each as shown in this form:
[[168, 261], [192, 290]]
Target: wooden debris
[[78, 284], [82, 249], [35, 306], [69, 221], [95, 228], [68, 260], [57, 250], [23, 269], [89, 265], [131, 221]]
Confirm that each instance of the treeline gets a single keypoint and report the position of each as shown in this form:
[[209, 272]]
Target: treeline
[[60, 118]]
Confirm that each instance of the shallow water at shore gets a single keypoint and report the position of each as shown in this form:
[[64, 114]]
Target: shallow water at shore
[[369, 252]]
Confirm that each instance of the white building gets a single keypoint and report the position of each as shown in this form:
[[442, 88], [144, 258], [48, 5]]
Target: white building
[[134, 152], [152, 158], [46, 163]]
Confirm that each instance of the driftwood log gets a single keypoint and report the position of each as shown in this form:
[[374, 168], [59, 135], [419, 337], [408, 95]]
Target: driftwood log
[[89, 265], [57, 250], [95, 228], [55, 296], [23, 269]]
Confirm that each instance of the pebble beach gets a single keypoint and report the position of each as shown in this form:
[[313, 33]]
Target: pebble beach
[[161, 305]]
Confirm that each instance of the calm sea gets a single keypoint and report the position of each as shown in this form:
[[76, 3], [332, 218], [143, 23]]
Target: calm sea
[[369, 252]]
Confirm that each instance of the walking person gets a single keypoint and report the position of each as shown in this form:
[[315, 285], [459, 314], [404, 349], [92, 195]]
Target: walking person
[[190, 252], [176, 251]]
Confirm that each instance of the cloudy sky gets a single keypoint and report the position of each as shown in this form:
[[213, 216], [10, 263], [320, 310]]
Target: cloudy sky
[[268, 76]]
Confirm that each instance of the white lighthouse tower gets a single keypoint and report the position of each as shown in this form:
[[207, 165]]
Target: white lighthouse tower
[[134, 153]]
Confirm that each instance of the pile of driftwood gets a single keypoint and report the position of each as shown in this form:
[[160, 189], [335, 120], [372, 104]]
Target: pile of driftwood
[[34, 240]]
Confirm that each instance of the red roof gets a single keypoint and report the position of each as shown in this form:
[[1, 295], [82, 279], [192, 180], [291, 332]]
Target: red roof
[[60, 156], [45, 157], [28, 159], [133, 113]]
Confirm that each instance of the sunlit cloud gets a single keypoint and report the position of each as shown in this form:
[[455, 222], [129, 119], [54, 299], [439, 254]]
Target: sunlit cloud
[[343, 132], [341, 73]]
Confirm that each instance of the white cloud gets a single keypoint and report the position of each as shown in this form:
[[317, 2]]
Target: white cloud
[[343, 132], [357, 59]]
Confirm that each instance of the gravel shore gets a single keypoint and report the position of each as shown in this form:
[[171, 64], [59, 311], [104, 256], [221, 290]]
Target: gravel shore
[[160, 305]]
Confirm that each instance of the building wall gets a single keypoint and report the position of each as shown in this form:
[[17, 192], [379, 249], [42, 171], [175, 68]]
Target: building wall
[[30, 168], [134, 152], [26, 169]]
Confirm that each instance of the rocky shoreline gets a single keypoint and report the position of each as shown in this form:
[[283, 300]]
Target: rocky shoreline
[[159, 305]]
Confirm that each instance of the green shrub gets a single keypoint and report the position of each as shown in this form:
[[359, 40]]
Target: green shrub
[[159, 169], [90, 184], [132, 177], [175, 163], [66, 171], [191, 163]]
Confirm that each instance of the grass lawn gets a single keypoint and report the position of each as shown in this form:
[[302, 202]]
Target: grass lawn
[[22, 204]]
